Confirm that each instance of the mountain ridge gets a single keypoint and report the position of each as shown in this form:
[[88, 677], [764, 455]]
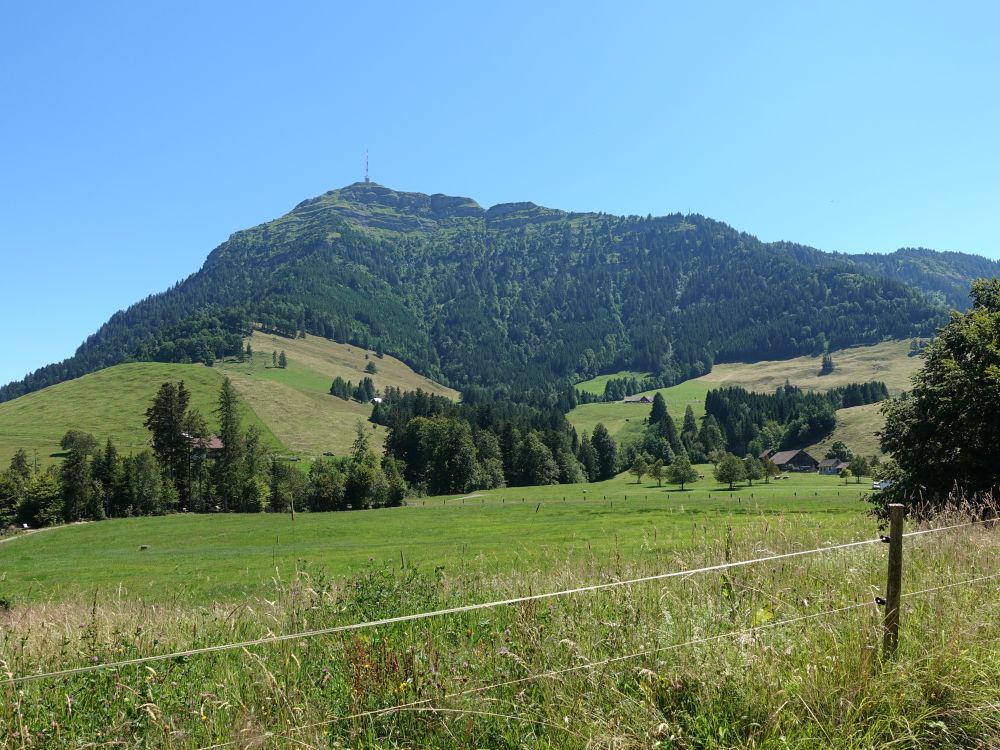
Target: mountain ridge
[[521, 295]]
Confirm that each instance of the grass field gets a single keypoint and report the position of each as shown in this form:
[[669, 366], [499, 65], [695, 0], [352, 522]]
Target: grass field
[[108, 403], [856, 427], [295, 401], [625, 421], [596, 385], [226, 557], [778, 654], [889, 362], [291, 406]]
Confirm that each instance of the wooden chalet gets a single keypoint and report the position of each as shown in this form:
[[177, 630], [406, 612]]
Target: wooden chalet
[[639, 399], [832, 466], [794, 460], [207, 447]]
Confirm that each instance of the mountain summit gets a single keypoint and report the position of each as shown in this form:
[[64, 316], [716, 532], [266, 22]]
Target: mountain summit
[[522, 296]]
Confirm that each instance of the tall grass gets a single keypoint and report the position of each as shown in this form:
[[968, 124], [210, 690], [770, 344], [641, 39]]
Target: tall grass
[[814, 683]]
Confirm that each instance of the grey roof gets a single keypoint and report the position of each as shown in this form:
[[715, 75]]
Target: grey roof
[[785, 456]]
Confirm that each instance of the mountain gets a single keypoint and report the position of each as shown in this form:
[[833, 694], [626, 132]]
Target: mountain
[[944, 275], [519, 295]]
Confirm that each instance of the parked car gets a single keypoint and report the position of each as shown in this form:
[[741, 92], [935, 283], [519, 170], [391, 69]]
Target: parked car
[[882, 484]]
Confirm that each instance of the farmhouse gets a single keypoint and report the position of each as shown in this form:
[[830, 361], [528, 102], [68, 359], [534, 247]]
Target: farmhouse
[[638, 400], [209, 447], [794, 460], [832, 466]]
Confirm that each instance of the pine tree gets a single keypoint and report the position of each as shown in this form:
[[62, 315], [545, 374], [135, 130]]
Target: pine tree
[[587, 456], [607, 452], [827, 365], [229, 465], [658, 412], [165, 419], [282, 360]]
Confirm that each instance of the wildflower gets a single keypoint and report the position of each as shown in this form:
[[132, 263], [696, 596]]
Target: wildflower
[[93, 660]]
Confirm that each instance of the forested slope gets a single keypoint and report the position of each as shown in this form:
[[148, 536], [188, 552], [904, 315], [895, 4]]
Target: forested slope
[[517, 296]]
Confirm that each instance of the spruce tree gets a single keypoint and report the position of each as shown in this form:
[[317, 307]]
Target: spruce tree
[[229, 465], [607, 452]]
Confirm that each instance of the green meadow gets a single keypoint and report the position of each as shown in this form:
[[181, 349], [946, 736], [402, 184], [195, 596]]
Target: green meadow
[[110, 403], [291, 406], [202, 558], [778, 654]]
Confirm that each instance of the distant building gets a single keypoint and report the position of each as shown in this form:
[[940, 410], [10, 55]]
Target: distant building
[[638, 400], [832, 466], [376, 400], [794, 460], [207, 447]]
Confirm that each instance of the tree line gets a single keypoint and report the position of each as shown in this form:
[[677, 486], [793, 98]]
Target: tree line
[[788, 418]]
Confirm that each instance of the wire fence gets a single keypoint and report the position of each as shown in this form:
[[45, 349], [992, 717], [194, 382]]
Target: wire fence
[[425, 703]]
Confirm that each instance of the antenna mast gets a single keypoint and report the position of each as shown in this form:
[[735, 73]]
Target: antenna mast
[[366, 167]]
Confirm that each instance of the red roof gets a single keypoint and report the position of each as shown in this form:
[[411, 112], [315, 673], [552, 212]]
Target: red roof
[[213, 443]]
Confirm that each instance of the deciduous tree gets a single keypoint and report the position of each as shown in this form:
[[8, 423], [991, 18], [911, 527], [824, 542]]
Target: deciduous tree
[[942, 435], [681, 471], [730, 470]]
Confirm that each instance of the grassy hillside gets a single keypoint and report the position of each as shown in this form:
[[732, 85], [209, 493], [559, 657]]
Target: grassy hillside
[[596, 385], [222, 557], [889, 362], [295, 401], [626, 420], [856, 427], [108, 403], [291, 406]]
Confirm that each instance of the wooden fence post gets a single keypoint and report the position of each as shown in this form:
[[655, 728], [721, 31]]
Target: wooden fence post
[[894, 580]]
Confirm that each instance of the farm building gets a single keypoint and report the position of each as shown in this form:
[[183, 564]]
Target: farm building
[[209, 447], [832, 466], [638, 400], [794, 460]]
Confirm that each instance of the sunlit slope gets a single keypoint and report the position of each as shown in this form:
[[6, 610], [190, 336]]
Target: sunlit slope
[[108, 403], [856, 427], [291, 406], [888, 361], [295, 401]]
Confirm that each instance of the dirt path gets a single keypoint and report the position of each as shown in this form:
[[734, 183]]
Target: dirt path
[[22, 534]]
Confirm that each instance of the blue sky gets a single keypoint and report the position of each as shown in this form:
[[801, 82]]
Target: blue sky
[[136, 137]]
